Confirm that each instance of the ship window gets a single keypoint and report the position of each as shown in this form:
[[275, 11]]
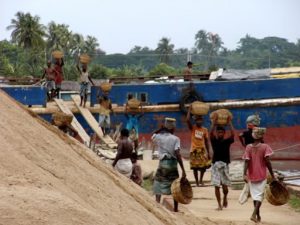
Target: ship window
[[143, 97]]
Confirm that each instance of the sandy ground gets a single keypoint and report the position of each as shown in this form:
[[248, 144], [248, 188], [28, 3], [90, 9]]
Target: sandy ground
[[49, 178], [204, 204]]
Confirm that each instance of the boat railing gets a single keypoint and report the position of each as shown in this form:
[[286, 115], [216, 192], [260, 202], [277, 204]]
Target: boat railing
[[27, 80], [142, 79]]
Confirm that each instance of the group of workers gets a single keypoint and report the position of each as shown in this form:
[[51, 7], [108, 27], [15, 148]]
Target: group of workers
[[53, 76], [256, 155]]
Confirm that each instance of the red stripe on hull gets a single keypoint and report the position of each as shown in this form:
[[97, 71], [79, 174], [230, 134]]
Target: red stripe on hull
[[285, 142]]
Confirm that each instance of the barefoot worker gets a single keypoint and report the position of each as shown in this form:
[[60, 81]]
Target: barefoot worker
[[122, 162], [58, 67], [255, 171], [169, 155], [221, 159], [84, 83], [49, 73], [104, 112], [199, 154]]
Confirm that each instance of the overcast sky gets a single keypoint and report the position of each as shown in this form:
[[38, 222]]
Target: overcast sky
[[119, 25]]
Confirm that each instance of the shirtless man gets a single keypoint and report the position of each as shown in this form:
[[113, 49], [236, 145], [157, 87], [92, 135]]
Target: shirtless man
[[122, 162], [187, 72], [49, 73]]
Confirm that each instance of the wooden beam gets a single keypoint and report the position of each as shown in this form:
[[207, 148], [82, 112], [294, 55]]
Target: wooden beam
[[75, 124], [93, 123], [52, 108]]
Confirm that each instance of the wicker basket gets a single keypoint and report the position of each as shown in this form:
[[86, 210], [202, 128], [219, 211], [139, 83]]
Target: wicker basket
[[134, 103], [105, 86], [276, 193], [222, 116], [182, 192], [60, 119], [57, 54], [85, 59], [199, 108]]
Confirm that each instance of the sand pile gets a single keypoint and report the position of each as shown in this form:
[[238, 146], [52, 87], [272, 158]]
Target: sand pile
[[48, 178]]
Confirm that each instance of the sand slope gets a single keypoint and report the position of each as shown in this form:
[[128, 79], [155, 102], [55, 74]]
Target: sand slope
[[48, 178]]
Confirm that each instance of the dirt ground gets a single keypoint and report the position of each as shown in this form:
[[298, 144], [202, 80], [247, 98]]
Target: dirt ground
[[204, 204]]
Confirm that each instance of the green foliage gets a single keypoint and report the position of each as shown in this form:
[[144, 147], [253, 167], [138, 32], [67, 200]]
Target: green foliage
[[31, 45], [98, 71], [148, 185], [294, 202], [164, 48], [5, 67], [27, 31], [163, 69]]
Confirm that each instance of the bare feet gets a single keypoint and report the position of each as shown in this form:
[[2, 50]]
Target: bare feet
[[253, 218], [258, 218], [225, 202], [219, 208]]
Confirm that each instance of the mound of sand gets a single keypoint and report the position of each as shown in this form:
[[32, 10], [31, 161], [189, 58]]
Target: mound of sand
[[49, 178]]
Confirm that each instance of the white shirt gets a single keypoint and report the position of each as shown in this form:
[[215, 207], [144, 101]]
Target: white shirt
[[167, 144]]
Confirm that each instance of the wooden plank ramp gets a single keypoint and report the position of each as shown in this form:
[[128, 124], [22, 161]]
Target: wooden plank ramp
[[93, 123], [75, 124]]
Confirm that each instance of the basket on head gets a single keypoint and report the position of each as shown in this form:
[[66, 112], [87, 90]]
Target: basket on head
[[105, 86], [85, 58], [276, 193], [182, 192], [133, 103], [221, 116], [57, 54], [60, 118], [199, 108]]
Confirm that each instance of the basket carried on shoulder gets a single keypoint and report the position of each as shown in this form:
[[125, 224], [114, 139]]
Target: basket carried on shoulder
[[276, 193], [105, 86], [222, 116], [60, 119], [57, 54], [182, 192], [134, 103], [199, 108], [85, 59]]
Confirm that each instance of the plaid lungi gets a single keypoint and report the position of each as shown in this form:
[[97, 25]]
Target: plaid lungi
[[166, 173], [220, 174]]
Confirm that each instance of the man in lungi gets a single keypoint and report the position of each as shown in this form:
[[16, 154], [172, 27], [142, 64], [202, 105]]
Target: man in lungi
[[84, 83], [122, 162], [257, 161], [221, 160], [104, 112], [199, 153], [168, 146]]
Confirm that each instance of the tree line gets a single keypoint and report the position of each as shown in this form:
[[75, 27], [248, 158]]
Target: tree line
[[31, 45]]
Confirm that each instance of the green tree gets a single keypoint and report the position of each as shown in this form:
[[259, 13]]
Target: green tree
[[27, 31], [163, 69], [165, 49], [99, 71]]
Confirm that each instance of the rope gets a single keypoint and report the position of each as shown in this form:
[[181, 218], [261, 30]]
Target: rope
[[280, 149]]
